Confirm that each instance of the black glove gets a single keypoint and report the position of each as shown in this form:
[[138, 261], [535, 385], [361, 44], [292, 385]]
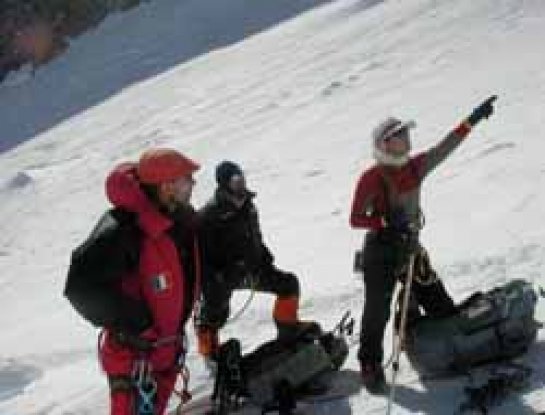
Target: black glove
[[484, 110], [398, 221], [133, 341], [401, 229]]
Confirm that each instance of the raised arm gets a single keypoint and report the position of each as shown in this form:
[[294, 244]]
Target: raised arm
[[437, 154]]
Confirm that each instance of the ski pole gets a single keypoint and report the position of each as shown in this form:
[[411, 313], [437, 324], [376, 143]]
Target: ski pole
[[401, 333]]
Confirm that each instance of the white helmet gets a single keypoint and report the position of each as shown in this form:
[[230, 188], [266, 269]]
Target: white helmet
[[386, 130]]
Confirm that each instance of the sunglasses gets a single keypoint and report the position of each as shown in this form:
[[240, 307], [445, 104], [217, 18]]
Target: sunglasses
[[402, 134]]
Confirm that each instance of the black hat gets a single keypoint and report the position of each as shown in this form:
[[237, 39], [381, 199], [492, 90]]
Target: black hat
[[225, 170]]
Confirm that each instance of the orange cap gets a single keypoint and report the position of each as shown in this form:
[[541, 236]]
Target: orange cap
[[159, 165]]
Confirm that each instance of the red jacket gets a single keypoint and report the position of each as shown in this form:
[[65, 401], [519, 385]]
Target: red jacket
[[160, 280]]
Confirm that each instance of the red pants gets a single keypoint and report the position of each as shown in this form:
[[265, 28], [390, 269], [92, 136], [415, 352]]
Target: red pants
[[118, 362]]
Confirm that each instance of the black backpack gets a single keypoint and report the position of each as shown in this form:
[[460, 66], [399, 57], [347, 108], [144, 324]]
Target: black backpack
[[96, 269], [490, 326]]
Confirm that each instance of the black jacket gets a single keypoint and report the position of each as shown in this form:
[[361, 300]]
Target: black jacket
[[231, 236]]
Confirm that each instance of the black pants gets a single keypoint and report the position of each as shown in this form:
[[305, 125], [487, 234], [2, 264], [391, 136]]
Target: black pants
[[385, 262], [218, 288]]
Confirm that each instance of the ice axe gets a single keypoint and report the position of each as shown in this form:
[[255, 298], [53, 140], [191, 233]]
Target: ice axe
[[403, 322]]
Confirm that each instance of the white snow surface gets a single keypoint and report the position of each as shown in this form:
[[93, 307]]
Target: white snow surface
[[291, 90]]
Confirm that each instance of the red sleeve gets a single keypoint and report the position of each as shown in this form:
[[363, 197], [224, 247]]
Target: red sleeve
[[366, 190], [164, 302], [162, 282], [164, 294]]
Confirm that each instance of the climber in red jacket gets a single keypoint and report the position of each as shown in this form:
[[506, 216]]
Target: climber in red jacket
[[387, 204], [137, 276]]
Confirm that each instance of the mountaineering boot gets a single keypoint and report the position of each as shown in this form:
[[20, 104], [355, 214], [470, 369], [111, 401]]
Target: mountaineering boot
[[289, 327], [208, 346], [372, 376]]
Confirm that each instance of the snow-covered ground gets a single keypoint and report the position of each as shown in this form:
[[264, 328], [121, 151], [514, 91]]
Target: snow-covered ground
[[294, 103]]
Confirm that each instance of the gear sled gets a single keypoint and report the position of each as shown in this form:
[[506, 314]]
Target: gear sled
[[278, 373]]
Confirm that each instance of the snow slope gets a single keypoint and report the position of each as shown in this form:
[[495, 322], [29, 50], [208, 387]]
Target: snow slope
[[294, 104]]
